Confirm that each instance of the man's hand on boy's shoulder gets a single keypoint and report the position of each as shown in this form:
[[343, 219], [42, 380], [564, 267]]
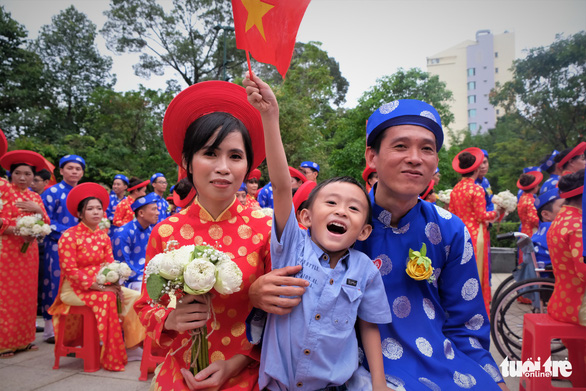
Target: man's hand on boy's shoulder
[[267, 291]]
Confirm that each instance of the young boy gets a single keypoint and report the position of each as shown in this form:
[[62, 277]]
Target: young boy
[[315, 346]]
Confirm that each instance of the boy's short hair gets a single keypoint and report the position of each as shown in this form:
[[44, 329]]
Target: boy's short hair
[[343, 179], [44, 174]]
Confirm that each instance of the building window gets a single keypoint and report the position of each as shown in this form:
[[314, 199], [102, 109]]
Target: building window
[[471, 85], [471, 113], [472, 126], [471, 98], [497, 111], [496, 70], [433, 61], [496, 54], [471, 71]]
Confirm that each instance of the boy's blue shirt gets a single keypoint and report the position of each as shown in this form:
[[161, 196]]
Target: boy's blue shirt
[[316, 344], [129, 245]]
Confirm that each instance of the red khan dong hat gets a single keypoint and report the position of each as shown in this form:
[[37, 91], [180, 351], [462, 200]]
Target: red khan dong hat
[[538, 178], [83, 191], [23, 156], [476, 152], [205, 98]]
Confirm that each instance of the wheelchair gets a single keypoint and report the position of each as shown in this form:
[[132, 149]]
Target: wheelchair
[[527, 290]]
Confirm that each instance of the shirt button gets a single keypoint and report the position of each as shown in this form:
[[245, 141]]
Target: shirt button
[[317, 317], [324, 257], [299, 384], [306, 352], [331, 281]]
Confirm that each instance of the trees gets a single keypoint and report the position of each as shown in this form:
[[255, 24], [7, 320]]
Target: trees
[[184, 39], [548, 91], [22, 80], [68, 50], [349, 129]]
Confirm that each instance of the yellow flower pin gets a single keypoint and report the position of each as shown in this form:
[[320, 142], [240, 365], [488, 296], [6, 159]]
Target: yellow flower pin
[[419, 265]]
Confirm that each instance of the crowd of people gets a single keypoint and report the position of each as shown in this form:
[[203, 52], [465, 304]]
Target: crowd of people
[[344, 286]]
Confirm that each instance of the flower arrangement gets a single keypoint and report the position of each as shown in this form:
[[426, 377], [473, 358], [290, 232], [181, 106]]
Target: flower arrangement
[[419, 265], [505, 199], [193, 270], [115, 273], [104, 224], [31, 225], [444, 196]]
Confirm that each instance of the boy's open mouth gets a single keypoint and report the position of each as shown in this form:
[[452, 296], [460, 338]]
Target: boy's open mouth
[[337, 228]]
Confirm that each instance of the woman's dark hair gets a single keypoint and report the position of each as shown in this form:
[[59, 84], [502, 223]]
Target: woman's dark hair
[[14, 166], [183, 187], [526, 179], [203, 128], [344, 179], [466, 160], [253, 180], [570, 182], [134, 181], [81, 206]]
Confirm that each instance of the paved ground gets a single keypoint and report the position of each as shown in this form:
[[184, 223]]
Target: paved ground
[[33, 371]]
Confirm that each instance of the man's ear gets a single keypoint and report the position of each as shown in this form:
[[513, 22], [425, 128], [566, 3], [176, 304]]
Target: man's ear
[[365, 232], [369, 155], [305, 218]]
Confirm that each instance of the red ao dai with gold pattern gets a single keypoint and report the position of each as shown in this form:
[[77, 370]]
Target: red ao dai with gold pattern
[[242, 233]]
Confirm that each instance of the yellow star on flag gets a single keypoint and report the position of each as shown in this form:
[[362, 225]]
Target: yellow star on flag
[[256, 10]]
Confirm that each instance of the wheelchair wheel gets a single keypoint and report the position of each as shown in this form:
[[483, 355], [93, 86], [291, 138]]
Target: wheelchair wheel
[[510, 280], [507, 316]]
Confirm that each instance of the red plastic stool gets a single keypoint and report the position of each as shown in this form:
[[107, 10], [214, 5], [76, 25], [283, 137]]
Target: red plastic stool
[[538, 331], [149, 361], [90, 350]]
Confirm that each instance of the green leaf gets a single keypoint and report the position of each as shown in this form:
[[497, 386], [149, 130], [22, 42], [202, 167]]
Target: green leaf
[[154, 286], [423, 250]]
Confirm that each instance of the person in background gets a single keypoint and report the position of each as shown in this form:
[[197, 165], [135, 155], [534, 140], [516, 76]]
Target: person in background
[[550, 165], [572, 159], [300, 197], [83, 250], [370, 177], [529, 184], [265, 195], [483, 181], [437, 176], [129, 241], [159, 184], [19, 258], [310, 170], [124, 213], [429, 195], [548, 206], [564, 239], [467, 201], [42, 178], [252, 182], [119, 187], [71, 168], [241, 194]]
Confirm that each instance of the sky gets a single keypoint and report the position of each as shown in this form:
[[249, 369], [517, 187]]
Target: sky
[[368, 38]]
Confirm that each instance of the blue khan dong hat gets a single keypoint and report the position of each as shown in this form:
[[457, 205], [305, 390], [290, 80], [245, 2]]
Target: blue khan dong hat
[[549, 162], [155, 176], [150, 198], [242, 187], [405, 112], [123, 178], [309, 164], [71, 159], [529, 169], [545, 198], [485, 152]]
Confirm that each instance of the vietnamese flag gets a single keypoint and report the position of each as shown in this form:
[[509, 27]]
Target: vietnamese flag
[[268, 28]]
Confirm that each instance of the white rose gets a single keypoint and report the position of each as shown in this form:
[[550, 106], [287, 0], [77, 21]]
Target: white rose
[[112, 276], [46, 229], [229, 277], [37, 230], [170, 268], [124, 270], [183, 255], [24, 231], [115, 266], [200, 276], [101, 279], [154, 265]]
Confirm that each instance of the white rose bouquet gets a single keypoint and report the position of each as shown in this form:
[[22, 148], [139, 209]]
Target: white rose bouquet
[[505, 199], [193, 270], [104, 224], [31, 225], [115, 273], [444, 196]]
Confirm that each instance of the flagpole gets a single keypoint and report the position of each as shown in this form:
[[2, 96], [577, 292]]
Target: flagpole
[[248, 61]]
